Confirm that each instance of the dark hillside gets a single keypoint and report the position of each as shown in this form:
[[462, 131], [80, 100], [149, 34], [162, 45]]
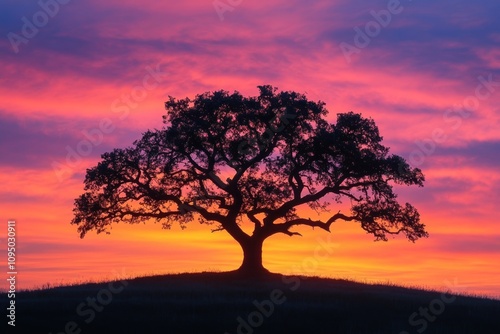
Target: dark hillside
[[221, 303]]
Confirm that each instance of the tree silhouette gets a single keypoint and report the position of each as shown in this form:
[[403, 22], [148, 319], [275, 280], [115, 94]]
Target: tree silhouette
[[228, 160]]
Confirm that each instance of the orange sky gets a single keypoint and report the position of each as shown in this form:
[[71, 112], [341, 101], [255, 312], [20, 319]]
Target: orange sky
[[417, 77]]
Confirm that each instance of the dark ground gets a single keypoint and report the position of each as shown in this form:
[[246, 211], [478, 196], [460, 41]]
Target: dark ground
[[221, 303]]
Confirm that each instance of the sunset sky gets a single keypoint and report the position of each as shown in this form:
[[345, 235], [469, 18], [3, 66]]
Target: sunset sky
[[427, 72]]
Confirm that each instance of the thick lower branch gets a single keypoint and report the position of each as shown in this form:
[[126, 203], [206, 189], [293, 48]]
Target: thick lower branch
[[285, 227]]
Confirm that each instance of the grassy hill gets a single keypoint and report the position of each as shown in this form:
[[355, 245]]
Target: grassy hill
[[224, 303]]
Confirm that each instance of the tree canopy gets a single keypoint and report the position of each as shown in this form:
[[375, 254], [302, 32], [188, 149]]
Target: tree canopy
[[227, 160]]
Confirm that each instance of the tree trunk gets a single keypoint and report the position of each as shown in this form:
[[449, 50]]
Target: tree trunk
[[252, 258]]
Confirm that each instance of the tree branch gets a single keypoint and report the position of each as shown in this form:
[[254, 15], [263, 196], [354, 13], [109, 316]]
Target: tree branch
[[284, 227]]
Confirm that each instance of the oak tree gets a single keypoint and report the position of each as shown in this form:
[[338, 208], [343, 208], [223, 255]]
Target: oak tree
[[231, 162]]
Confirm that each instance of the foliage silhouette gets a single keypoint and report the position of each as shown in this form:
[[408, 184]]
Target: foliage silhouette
[[228, 160]]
